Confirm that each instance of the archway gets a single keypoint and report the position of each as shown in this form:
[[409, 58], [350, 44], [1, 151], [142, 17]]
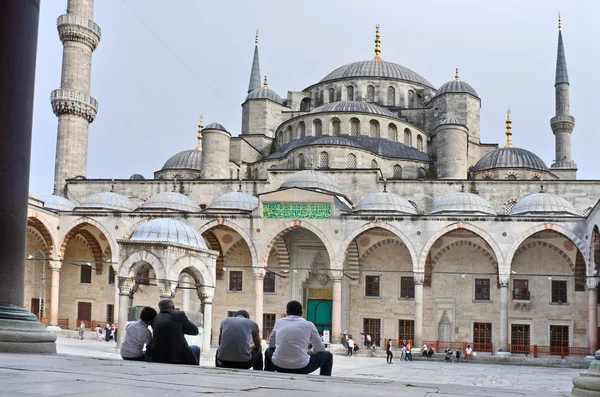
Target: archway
[[39, 250]]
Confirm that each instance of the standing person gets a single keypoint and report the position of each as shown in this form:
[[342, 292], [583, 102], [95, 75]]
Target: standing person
[[403, 352], [288, 351], [137, 335], [107, 331], [409, 351], [98, 333], [368, 338], [240, 344], [362, 340], [388, 352], [469, 352], [168, 343], [350, 345], [81, 330], [114, 332]]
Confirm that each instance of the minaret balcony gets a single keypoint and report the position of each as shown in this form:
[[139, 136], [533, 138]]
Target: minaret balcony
[[73, 27], [562, 123], [74, 102]]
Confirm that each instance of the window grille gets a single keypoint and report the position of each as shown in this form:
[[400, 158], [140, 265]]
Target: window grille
[[350, 93], [370, 93], [520, 336], [406, 330], [231, 313], [335, 127], [318, 127], [407, 287], [37, 275], [269, 283], [302, 129], [372, 284], [391, 96], [482, 289], [372, 326], [354, 127], [392, 132], [324, 160], [85, 275], [420, 143], [305, 105], [397, 171], [268, 325], [374, 129], [110, 313], [408, 137], [301, 161], [235, 281], [521, 289], [352, 162], [422, 173], [559, 291], [482, 336], [332, 95], [559, 339]]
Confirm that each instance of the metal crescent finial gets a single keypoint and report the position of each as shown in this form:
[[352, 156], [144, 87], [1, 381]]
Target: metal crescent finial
[[256, 38], [508, 130], [377, 45]]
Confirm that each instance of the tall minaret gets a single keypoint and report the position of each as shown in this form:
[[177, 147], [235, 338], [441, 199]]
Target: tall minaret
[[72, 103], [255, 73], [562, 123]]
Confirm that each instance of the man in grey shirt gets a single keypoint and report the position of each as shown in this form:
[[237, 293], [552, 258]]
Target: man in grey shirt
[[239, 343]]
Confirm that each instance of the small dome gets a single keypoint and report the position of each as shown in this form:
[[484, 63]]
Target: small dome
[[188, 160], [456, 87], [388, 70], [169, 231], [451, 121], [108, 201], [56, 202], [171, 201], [137, 177], [385, 202], [543, 204], [311, 179], [264, 93], [462, 202], [215, 126], [353, 107], [510, 157], [235, 201]]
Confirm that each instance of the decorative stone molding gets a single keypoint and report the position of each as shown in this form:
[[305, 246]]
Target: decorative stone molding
[[55, 265], [166, 288], [504, 280], [126, 286], [419, 278], [69, 101], [206, 294], [336, 276], [259, 272], [562, 123], [78, 29], [592, 283]]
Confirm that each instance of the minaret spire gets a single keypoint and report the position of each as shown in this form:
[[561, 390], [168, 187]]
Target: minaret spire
[[255, 73], [561, 61], [456, 75], [200, 128], [508, 130]]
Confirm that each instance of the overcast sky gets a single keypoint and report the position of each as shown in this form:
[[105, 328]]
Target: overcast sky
[[150, 99]]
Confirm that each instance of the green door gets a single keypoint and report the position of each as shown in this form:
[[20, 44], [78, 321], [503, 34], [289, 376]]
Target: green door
[[319, 313]]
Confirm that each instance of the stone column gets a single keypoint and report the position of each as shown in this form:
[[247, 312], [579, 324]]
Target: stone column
[[419, 280], [55, 267], [504, 297], [126, 291], [19, 329], [206, 295], [336, 309], [259, 278], [116, 304], [592, 283], [185, 292]]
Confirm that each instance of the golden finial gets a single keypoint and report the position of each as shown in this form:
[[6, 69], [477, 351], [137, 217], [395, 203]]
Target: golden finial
[[456, 75], [377, 45], [559, 22], [265, 85], [508, 130], [256, 38], [200, 127]]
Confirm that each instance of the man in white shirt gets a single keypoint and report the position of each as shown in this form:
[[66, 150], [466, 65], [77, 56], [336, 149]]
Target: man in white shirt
[[137, 335], [288, 346]]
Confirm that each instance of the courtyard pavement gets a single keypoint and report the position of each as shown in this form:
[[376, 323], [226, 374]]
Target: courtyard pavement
[[95, 368]]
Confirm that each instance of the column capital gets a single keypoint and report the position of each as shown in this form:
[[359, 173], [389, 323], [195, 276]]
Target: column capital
[[259, 272], [592, 283], [336, 276], [55, 265], [504, 280], [126, 286], [419, 278], [206, 295], [166, 288]]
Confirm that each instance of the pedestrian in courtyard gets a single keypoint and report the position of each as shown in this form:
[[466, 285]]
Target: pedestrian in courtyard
[[408, 351], [368, 341], [424, 350], [403, 352], [350, 346], [288, 351], [388, 352], [362, 340], [240, 344], [107, 330], [459, 355], [431, 351], [168, 343], [137, 336], [114, 332], [469, 352], [98, 333], [81, 330]]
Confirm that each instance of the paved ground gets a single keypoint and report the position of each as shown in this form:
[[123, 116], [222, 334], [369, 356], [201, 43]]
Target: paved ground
[[89, 367]]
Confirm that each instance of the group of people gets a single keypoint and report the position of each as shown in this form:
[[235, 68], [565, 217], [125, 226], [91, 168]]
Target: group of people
[[110, 331], [405, 354], [428, 352]]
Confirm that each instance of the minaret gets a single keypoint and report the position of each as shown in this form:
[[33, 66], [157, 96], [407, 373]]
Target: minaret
[[377, 56], [255, 73], [72, 103], [562, 123]]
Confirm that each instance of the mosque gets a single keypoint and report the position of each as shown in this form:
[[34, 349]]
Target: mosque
[[368, 196]]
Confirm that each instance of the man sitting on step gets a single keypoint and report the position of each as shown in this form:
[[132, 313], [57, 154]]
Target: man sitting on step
[[239, 343]]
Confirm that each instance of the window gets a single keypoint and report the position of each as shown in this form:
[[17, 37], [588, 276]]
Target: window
[[305, 105], [351, 162], [324, 160], [420, 143], [142, 276], [111, 275], [84, 311], [372, 286], [332, 95], [482, 289], [372, 326], [374, 164], [392, 132], [335, 127], [318, 127], [407, 287], [354, 127], [110, 313], [511, 177], [407, 137], [559, 291], [268, 325], [350, 93], [391, 96], [421, 173], [301, 129], [559, 339], [230, 313], [269, 283], [406, 330], [235, 281], [374, 129], [85, 276], [397, 171], [482, 336], [519, 338], [39, 265], [521, 289], [370, 93], [411, 99], [288, 134], [321, 94], [301, 161]]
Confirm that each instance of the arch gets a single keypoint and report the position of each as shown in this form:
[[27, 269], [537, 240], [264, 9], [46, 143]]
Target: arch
[[354, 126], [595, 251], [374, 247], [350, 93], [419, 143], [78, 224], [391, 96], [461, 243], [134, 261], [344, 247], [233, 248], [42, 228], [397, 171], [370, 93], [201, 274], [353, 259], [331, 92], [214, 244], [301, 130], [467, 226], [324, 160], [318, 127], [374, 129], [224, 222], [392, 132], [283, 253], [335, 126], [407, 137], [285, 227], [533, 244], [288, 134], [351, 161], [305, 105], [374, 164]]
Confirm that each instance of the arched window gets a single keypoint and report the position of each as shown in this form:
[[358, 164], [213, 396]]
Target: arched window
[[351, 161], [354, 127], [305, 105], [420, 142], [321, 95], [288, 134], [422, 173], [407, 137], [350, 93], [302, 129], [318, 127], [324, 160], [411, 99], [370, 93], [397, 171], [511, 177], [374, 129], [374, 164], [393, 132], [335, 126], [301, 161], [315, 100], [273, 167], [391, 97], [331, 95]]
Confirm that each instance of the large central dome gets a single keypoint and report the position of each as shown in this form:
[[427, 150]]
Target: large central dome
[[381, 69]]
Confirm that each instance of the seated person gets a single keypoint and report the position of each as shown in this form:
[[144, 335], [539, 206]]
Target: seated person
[[137, 335], [288, 351], [168, 343], [239, 343]]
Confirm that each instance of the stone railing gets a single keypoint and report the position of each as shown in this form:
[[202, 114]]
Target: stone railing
[[74, 102], [77, 28], [562, 123]]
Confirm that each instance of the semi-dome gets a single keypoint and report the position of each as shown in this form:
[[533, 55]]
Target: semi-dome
[[382, 69], [170, 201], [168, 231], [215, 126], [543, 204], [311, 179], [462, 202], [457, 87], [137, 177], [55, 202], [385, 202], [510, 157], [264, 93], [353, 107], [188, 160], [108, 201], [234, 201]]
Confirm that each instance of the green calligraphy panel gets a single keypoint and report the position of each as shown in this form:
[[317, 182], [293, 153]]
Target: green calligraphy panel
[[296, 211]]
